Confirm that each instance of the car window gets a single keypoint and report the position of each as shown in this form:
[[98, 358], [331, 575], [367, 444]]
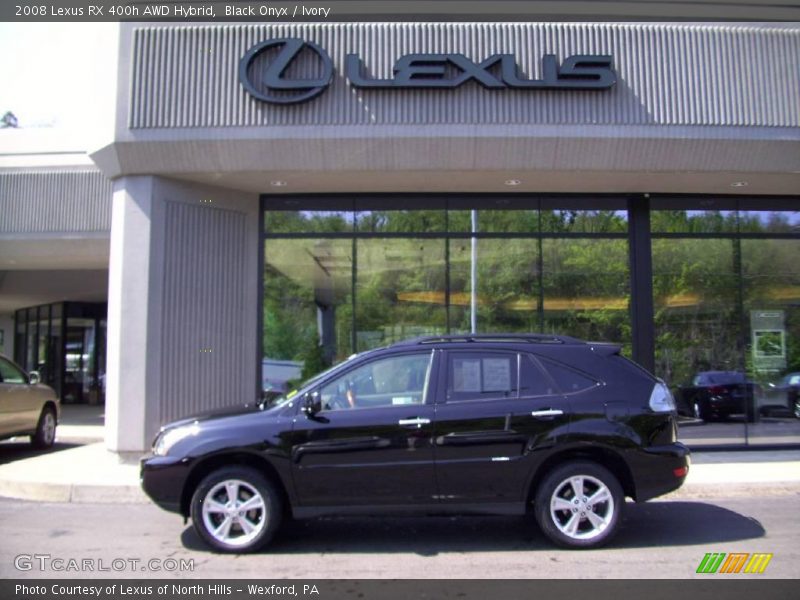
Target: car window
[[9, 373], [568, 379], [532, 380], [391, 381], [481, 375]]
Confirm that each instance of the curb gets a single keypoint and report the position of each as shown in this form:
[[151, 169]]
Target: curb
[[72, 493], [701, 491]]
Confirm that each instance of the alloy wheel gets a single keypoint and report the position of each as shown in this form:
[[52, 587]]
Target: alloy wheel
[[582, 507], [234, 512]]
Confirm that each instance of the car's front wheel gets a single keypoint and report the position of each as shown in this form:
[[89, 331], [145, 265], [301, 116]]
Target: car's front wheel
[[45, 435], [236, 509], [579, 504]]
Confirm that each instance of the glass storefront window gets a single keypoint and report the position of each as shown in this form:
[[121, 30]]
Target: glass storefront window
[[694, 221], [309, 221], [587, 289], [694, 296], [495, 221], [64, 343], [307, 290], [766, 221], [401, 221], [508, 285], [584, 221], [771, 282], [400, 290], [697, 329], [726, 287]]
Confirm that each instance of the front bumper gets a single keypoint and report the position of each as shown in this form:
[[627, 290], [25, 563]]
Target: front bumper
[[658, 470], [163, 479]]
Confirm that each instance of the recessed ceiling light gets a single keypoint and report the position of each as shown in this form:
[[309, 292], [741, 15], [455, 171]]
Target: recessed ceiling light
[[278, 183], [512, 182], [739, 184]]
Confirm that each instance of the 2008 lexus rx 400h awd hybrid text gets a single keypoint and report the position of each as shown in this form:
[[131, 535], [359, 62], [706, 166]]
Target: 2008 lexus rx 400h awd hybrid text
[[484, 424]]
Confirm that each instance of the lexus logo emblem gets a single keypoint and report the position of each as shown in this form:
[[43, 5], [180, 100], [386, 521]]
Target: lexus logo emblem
[[271, 84], [267, 77]]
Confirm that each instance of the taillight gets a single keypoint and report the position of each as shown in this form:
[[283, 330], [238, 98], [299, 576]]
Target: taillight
[[716, 390], [661, 399]]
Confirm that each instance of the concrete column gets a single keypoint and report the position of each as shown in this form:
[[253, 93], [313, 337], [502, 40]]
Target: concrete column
[[182, 305], [129, 303]]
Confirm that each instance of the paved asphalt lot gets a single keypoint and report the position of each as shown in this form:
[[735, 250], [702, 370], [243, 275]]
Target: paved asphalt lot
[[659, 539]]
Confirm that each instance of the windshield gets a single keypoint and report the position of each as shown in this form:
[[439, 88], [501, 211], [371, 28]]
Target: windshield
[[286, 398]]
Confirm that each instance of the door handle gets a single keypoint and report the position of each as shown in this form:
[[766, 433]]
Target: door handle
[[419, 422], [548, 412]]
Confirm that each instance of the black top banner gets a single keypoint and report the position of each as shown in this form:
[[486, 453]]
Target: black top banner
[[398, 10]]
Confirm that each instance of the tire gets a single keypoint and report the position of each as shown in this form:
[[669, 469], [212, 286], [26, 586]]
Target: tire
[[224, 526], [45, 435], [572, 525]]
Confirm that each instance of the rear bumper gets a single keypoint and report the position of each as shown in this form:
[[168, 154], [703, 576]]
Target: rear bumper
[[727, 404], [658, 470]]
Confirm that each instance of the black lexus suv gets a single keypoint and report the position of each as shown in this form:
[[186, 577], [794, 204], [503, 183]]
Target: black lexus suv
[[474, 424]]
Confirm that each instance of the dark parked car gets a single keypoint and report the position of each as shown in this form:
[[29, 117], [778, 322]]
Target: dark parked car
[[715, 395], [483, 424]]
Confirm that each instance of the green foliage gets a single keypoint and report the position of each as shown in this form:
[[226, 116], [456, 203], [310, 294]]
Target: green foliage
[[313, 361]]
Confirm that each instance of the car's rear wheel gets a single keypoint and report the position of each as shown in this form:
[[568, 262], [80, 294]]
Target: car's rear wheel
[[45, 435], [236, 509], [578, 505]]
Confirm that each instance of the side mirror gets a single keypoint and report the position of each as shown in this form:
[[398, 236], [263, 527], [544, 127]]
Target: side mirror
[[34, 377], [312, 403]]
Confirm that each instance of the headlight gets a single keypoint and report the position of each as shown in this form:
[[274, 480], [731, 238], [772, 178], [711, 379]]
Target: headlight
[[661, 399], [167, 439]]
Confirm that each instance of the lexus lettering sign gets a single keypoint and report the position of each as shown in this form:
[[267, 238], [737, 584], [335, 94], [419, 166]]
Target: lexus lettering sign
[[264, 72]]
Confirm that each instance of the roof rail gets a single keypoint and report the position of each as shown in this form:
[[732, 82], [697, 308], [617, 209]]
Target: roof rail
[[516, 338]]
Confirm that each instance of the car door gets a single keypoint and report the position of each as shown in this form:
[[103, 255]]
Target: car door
[[370, 444], [18, 409], [495, 410]]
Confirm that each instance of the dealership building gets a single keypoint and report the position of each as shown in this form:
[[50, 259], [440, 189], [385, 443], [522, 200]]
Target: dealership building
[[276, 194]]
